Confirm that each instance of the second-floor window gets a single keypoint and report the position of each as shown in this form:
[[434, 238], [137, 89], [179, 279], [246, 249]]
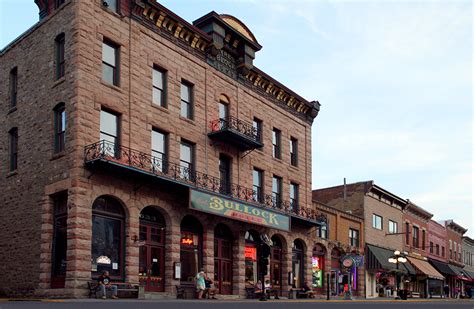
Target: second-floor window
[[276, 143], [392, 227], [437, 250], [416, 235], [186, 161], [423, 240], [59, 128], [322, 231], [13, 86], [407, 233], [186, 100], [431, 247], [159, 151], [442, 251], [257, 129], [354, 237], [377, 222], [223, 111], [159, 87], [294, 188], [276, 191], [257, 185], [109, 132], [60, 62], [110, 63], [293, 151], [13, 141]]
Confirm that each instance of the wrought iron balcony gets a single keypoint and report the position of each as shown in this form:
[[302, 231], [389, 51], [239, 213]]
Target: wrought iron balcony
[[109, 153], [238, 132]]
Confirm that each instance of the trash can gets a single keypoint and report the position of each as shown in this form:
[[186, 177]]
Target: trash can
[[403, 294]]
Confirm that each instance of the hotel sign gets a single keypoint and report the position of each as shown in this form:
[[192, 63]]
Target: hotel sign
[[239, 211]]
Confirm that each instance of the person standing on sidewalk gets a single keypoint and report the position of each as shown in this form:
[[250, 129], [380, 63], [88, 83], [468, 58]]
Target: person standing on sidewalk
[[200, 283], [446, 291], [104, 285]]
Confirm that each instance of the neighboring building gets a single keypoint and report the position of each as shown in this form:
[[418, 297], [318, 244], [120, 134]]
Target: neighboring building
[[138, 143], [437, 236], [427, 282], [341, 238], [454, 255], [383, 217], [468, 259]]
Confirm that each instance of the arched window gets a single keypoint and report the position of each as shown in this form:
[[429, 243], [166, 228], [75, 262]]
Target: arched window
[[59, 128], [298, 263], [191, 248], [317, 266], [108, 229], [223, 259]]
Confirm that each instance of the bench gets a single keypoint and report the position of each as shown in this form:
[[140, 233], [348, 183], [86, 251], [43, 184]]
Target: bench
[[123, 289], [179, 292], [415, 295]]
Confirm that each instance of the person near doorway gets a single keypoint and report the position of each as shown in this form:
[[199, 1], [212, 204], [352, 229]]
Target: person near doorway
[[446, 291], [104, 285], [210, 292], [200, 283]]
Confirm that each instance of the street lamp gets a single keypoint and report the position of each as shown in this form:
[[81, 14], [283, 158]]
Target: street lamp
[[396, 259]]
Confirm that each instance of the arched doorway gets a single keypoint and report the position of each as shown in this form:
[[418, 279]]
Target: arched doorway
[[223, 259], [276, 258], [191, 249], [317, 266], [108, 230], [298, 263], [152, 250], [252, 243], [335, 271]]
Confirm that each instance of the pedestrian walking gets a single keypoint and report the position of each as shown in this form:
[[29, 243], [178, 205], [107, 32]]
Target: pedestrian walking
[[200, 283]]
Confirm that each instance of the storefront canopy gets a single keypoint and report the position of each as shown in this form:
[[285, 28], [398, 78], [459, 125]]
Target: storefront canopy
[[377, 258], [425, 268], [443, 268]]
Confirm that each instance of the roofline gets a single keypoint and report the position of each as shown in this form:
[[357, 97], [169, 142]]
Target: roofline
[[455, 226], [426, 214], [348, 184], [336, 210], [405, 202], [468, 239]]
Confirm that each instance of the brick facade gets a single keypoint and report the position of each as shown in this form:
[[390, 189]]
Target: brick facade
[[437, 236], [28, 240]]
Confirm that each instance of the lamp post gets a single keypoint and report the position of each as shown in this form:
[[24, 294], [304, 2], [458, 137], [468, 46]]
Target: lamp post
[[396, 259]]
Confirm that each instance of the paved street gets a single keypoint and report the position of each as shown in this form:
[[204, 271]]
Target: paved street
[[283, 304]]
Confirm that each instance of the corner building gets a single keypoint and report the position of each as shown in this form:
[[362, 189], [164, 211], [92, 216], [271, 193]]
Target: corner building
[[150, 147]]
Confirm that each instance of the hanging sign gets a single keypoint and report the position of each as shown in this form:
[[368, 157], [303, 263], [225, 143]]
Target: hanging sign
[[239, 211]]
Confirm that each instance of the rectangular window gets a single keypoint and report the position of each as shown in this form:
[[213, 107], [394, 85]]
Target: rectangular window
[[423, 236], [159, 151], [223, 111], [59, 244], [257, 129], [111, 4], [450, 253], [13, 136], [392, 227], [109, 133], [276, 142], [186, 100], [377, 222], [407, 233], [322, 231], [415, 237], [257, 185], [442, 251], [437, 250], [276, 191], [293, 151], [159, 87], [60, 62], [431, 247], [110, 63], [13, 86], [294, 188], [59, 128], [186, 161], [354, 237]]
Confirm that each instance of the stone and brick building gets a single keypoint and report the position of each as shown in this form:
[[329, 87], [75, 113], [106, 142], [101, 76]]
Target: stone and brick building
[[136, 142], [382, 212], [468, 259], [427, 282], [454, 233]]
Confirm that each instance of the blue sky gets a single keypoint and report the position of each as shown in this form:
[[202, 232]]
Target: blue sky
[[394, 79]]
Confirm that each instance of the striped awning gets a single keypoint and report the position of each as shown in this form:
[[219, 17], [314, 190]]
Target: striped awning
[[425, 268]]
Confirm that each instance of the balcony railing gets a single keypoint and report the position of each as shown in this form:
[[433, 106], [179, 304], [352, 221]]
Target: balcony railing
[[236, 131], [108, 152]]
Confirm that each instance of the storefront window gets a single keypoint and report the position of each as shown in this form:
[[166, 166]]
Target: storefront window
[[297, 263], [251, 270], [317, 266], [191, 249], [275, 263], [59, 245], [107, 237]]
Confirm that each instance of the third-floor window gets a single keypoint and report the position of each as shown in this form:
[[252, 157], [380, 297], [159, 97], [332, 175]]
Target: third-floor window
[[159, 87], [377, 222], [59, 127], [354, 237], [186, 100], [60, 62], [110, 63], [13, 86], [276, 143], [293, 151], [257, 185], [257, 126], [186, 161], [392, 227], [294, 188], [276, 191]]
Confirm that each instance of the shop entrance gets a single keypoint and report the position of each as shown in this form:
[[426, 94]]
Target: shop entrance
[[152, 253], [223, 259], [276, 264]]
